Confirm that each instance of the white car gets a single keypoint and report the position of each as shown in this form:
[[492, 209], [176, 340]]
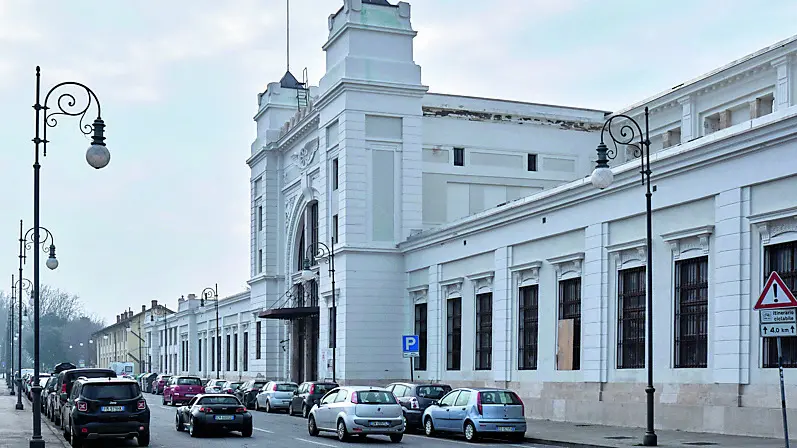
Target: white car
[[214, 386], [358, 410]]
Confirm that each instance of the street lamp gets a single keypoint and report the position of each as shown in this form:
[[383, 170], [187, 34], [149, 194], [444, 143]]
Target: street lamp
[[97, 156], [213, 294], [10, 357], [601, 178], [322, 251], [22, 284]]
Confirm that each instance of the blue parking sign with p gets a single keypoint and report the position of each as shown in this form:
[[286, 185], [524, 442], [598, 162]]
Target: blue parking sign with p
[[410, 345]]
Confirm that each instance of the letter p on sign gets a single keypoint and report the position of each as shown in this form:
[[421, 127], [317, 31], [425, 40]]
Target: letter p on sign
[[410, 343]]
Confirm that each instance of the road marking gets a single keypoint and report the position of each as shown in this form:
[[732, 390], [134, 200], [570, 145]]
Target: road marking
[[459, 442], [263, 430], [315, 443]]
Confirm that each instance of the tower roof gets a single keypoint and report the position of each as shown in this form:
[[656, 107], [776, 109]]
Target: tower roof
[[378, 2], [289, 82]]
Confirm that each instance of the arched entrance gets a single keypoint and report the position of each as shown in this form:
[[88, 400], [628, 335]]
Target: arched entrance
[[305, 328]]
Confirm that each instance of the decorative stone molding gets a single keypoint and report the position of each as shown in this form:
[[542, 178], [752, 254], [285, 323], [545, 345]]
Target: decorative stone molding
[[452, 288], [288, 209], [527, 273], [629, 252], [568, 265], [482, 282], [419, 294], [306, 155], [773, 224], [683, 241]]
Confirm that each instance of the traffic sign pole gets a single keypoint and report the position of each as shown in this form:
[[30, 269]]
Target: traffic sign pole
[[783, 393], [412, 374]]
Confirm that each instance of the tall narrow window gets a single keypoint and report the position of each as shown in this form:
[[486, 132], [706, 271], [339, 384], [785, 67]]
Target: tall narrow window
[[531, 162], [420, 330], [453, 333], [459, 156], [783, 259], [484, 331], [227, 353], [332, 337], [212, 355], [335, 229], [246, 351], [528, 315], [314, 229], [258, 334], [570, 308], [235, 352], [259, 218], [259, 260], [335, 173], [631, 318], [691, 313], [218, 352], [199, 356]]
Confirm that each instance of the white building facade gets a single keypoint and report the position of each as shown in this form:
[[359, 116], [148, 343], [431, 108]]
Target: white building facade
[[472, 223]]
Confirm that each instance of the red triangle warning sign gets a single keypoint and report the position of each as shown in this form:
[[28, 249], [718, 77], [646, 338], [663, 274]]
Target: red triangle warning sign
[[776, 294]]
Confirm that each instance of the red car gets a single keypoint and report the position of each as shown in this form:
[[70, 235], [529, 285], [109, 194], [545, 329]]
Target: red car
[[159, 383], [181, 389]]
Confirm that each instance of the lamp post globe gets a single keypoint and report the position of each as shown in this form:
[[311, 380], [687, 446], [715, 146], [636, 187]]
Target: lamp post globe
[[602, 177], [52, 263], [98, 156], [308, 275]]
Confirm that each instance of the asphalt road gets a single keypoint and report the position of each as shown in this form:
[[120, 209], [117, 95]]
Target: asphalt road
[[278, 430]]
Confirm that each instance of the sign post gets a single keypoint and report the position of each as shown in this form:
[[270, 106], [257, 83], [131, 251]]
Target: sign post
[[410, 347], [777, 309]]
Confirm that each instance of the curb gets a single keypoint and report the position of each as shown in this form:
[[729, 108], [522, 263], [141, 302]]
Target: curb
[[564, 444]]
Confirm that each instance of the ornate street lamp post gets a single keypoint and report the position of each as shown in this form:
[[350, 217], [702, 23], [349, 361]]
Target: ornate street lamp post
[[97, 156], [601, 178], [10, 358], [213, 294], [320, 250], [22, 284]]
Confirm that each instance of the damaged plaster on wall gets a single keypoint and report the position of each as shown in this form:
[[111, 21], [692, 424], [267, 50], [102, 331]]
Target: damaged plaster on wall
[[471, 115]]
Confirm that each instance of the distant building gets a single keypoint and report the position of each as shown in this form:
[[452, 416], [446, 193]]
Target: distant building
[[122, 342]]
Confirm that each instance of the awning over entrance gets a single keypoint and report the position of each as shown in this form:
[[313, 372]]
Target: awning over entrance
[[289, 313]]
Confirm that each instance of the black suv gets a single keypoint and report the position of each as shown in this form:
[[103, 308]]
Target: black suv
[[309, 394], [101, 408], [64, 386]]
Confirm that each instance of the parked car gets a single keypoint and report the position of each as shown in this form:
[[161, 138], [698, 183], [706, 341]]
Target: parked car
[[182, 389], [357, 410], [248, 391], [308, 395], [415, 398], [159, 383], [214, 386], [65, 381], [47, 393], [229, 387], [146, 382], [214, 412], [474, 412], [106, 408], [275, 396]]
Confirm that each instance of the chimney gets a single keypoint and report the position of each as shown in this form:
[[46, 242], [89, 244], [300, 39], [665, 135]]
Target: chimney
[[143, 308], [118, 319], [154, 304], [191, 296]]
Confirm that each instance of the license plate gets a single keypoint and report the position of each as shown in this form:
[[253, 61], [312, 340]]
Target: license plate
[[379, 423], [190, 395], [506, 428], [224, 417], [112, 408]]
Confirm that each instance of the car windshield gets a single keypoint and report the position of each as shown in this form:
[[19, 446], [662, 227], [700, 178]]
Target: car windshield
[[96, 375], [258, 385], [433, 392], [287, 387], [375, 397], [189, 382], [219, 400], [234, 385], [164, 378], [323, 388], [110, 391], [499, 397]]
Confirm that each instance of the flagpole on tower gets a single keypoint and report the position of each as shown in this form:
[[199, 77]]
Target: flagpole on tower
[[288, 33]]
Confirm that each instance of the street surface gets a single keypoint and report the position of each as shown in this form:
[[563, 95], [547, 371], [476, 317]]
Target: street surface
[[279, 430]]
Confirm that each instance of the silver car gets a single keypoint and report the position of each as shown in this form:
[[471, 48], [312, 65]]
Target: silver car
[[357, 410], [276, 395], [214, 386], [474, 412]]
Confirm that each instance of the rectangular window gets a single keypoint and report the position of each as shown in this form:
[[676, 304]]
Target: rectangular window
[[257, 187], [335, 229], [459, 156], [246, 351], [528, 315], [783, 259], [218, 352], [259, 260], [454, 333], [420, 330], [260, 218], [258, 333], [531, 162], [631, 319], [691, 313], [212, 355], [235, 352], [334, 174], [570, 308], [484, 331], [227, 353], [199, 356], [333, 315]]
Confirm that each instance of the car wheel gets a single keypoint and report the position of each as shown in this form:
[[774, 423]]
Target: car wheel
[[305, 411], [290, 409], [268, 407], [428, 427], [163, 400], [470, 432], [396, 438], [257, 405], [247, 431], [178, 423], [193, 430], [65, 429], [343, 435], [311, 426], [143, 438], [74, 438]]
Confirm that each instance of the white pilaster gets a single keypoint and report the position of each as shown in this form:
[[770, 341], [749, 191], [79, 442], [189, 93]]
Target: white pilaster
[[782, 67], [594, 305], [687, 119], [502, 316]]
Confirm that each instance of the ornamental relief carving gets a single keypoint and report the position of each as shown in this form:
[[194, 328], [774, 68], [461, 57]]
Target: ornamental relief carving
[[769, 230], [288, 208], [306, 155], [633, 255], [484, 284], [452, 290], [419, 296], [528, 274], [680, 247]]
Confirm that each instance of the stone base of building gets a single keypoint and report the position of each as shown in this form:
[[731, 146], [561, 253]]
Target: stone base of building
[[715, 408]]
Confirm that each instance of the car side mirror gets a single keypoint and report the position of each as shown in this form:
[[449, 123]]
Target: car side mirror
[[296, 392]]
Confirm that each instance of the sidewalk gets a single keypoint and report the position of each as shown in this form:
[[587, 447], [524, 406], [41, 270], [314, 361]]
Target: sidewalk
[[16, 427], [597, 436]]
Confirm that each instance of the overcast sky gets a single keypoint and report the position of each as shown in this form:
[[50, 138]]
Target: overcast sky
[[178, 82]]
